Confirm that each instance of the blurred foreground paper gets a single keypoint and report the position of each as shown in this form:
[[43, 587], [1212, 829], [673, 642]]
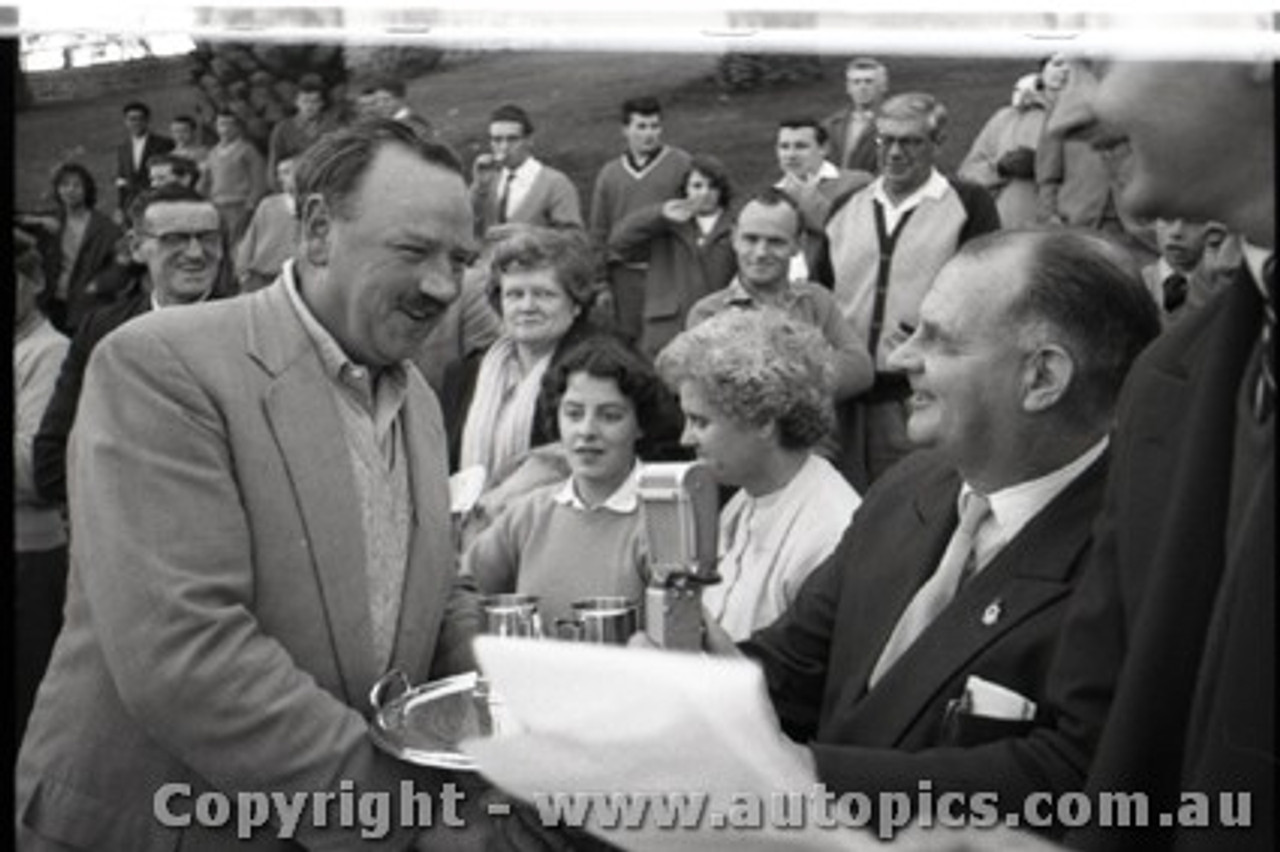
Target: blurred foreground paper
[[595, 719]]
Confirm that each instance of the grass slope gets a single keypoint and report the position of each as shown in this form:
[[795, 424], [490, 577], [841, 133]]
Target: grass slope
[[573, 99]]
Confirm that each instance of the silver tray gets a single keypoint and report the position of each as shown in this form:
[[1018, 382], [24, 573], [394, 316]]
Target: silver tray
[[426, 724]]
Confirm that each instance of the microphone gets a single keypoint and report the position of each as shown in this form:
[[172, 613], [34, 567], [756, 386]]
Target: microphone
[[680, 505]]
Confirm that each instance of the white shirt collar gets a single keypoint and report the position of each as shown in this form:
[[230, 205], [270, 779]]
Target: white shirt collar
[[623, 501], [827, 171], [526, 170], [934, 187], [1012, 508], [1255, 257]]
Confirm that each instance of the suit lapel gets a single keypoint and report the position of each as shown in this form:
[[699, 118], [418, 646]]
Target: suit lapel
[[309, 432], [431, 566], [887, 585], [1032, 571]]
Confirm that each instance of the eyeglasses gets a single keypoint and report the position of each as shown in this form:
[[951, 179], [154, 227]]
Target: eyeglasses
[[909, 144], [179, 240]]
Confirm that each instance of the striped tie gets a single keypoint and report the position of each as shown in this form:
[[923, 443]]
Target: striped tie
[[933, 597]]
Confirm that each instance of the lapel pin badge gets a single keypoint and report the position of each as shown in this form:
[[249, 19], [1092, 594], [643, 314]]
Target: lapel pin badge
[[992, 613]]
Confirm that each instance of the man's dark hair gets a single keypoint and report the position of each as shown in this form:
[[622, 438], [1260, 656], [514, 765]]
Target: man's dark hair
[[185, 119], [26, 258], [801, 122], [771, 196], [514, 113], [333, 165], [136, 106], [312, 83], [646, 105], [86, 180], [1088, 288]]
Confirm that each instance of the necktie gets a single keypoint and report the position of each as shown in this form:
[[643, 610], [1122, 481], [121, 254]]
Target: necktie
[[939, 589], [504, 195], [1175, 292], [1264, 391]]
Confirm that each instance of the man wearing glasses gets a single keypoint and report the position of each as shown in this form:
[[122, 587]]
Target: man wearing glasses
[[511, 185], [886, 245], [177, 243]]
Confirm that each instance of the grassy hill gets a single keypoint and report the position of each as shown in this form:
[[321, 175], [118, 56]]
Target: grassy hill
[[573, 99]]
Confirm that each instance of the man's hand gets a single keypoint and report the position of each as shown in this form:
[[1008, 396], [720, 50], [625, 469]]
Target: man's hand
[[678, 210], [715, 640], [1018, 164], [484, 169]]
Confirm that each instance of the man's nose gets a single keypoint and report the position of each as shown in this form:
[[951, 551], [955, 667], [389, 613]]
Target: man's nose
[[441, 283]]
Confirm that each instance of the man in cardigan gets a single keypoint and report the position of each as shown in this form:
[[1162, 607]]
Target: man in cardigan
[[886, 245], [511, 185], [647, 173], [851, 131]]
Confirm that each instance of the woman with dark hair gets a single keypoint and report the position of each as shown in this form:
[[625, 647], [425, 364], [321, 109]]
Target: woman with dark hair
[[77, 243], [541, 284], [583, 536], [688, 243]]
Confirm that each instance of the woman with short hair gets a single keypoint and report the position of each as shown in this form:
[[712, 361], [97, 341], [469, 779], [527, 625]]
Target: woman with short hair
[[755, 387], [582, 536], [688, 244], [541, 283]]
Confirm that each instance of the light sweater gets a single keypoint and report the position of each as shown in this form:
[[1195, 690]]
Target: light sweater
[[544, 545], [769, 545]]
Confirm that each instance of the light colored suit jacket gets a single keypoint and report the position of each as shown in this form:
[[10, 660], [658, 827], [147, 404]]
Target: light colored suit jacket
[[217, 626], [552, 202]]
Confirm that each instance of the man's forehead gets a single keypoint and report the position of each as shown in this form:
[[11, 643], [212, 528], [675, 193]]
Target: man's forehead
[[903, 124], [768, 219], [798, 134], [639, 119], [862, 76], [164, 216]]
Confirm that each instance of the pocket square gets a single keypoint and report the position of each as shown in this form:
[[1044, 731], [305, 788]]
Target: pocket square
[[985, 698]]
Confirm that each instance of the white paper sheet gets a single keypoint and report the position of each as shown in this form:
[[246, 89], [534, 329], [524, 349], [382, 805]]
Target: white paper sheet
[[606, 719]]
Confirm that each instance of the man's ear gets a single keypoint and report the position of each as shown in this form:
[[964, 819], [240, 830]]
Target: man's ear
[[317, 221], [1046, 377]]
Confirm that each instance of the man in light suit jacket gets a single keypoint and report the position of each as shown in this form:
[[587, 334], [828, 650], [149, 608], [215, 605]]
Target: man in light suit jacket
[[132, 155], [1021, 349], [261, 530], [511, 185]]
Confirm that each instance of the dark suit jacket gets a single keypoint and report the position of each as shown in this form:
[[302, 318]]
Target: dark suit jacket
[[217, 624], [817, 656], [49, 449], [137, 179], [1174, 626], [97, 255], [863, 156]]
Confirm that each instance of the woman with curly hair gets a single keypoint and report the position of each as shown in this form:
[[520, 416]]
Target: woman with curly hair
[[755, 387]]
